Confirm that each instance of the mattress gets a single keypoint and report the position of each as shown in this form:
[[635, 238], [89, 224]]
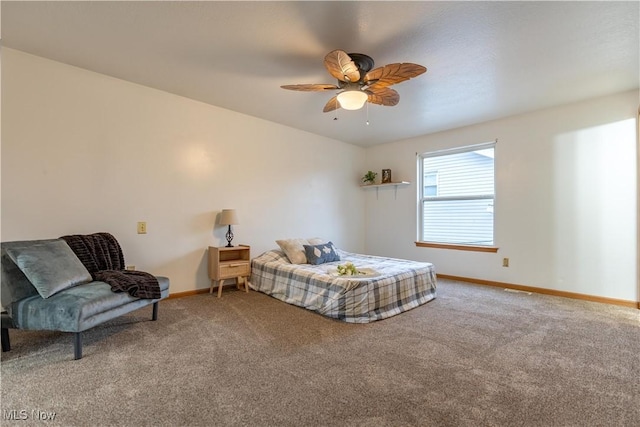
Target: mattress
[[392, 286]]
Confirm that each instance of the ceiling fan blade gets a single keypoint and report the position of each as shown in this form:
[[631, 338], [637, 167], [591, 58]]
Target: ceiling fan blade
[[393, 73], [384, 96], [341, 66], [310, 87], [333, 104]]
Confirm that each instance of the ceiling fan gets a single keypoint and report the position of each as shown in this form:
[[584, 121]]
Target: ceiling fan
[[359, 84]]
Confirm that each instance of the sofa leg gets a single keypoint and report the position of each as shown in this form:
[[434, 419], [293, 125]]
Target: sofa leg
[[6, 344], [77, 345], [154, 316]]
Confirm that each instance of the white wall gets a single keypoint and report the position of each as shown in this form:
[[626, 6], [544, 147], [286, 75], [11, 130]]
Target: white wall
[[566, 209], [83, 152]]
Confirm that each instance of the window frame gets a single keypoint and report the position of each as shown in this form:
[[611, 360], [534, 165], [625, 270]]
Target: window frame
[[421, 198]]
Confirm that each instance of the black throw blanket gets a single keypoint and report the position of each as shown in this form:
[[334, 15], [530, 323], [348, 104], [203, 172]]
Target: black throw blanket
[[102, 256]]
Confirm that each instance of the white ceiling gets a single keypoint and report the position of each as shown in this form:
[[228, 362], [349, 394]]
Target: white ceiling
[[485, 60]]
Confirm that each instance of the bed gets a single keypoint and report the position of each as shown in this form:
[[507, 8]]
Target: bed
[[389, 287]]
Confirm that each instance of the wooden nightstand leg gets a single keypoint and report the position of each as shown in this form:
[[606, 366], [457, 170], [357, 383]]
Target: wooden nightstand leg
[[243, 281], [213, 282], [220, 283]]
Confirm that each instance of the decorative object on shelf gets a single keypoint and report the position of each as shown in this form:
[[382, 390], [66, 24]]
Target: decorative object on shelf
[[229, 217], [369, 177], [386, 176]]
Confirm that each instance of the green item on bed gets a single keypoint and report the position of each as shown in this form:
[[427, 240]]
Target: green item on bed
[[348, 269]]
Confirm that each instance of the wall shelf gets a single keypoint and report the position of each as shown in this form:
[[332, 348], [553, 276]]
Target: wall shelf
[[396, 184], [387, 184]]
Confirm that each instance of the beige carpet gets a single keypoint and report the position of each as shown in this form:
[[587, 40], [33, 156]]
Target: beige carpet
[[475, 356]]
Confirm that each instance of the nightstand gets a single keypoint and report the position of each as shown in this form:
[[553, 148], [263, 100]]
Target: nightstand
[[228, 263]]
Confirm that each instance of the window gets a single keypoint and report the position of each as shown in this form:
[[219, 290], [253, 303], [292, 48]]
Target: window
[[457, 196], [430, 184]]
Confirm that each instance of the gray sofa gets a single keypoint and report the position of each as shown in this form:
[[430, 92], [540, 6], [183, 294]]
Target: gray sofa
[[46, 287]]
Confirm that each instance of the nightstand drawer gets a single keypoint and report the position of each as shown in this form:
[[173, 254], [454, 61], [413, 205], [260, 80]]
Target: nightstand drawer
[[234, 269]]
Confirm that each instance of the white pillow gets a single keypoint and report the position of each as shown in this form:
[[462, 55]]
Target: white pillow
[[294, 248]]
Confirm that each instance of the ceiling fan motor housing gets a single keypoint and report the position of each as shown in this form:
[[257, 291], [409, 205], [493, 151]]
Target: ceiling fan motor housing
[[363, 62]]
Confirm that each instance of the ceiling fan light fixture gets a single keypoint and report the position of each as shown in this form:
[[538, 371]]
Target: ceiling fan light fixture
[[352, 99]]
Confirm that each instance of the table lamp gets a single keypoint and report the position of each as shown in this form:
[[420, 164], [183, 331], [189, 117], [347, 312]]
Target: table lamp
[[229, 217]]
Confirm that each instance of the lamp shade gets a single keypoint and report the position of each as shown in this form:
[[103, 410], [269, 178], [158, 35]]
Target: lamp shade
[[229, 217], [352, 99]]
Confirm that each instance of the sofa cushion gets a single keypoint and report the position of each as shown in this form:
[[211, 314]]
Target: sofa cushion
[[51, 266], [78, 308], [14, 285]]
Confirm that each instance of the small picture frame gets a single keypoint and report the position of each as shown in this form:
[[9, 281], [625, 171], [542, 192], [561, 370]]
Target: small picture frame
[[386, 176]]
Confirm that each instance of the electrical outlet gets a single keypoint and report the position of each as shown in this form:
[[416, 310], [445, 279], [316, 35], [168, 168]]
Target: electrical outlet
[[142, 227], [505, 262], [130, 267]]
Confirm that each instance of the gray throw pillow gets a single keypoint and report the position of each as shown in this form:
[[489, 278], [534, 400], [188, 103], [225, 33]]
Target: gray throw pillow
[[50, 266], [320, 254]]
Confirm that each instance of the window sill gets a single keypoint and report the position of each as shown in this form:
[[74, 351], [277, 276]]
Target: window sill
[[457, 247]]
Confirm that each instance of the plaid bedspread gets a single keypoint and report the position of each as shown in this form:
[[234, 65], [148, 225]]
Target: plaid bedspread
[[400, 285]]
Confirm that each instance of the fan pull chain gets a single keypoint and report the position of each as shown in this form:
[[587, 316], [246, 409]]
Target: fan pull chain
[[367, 114]]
